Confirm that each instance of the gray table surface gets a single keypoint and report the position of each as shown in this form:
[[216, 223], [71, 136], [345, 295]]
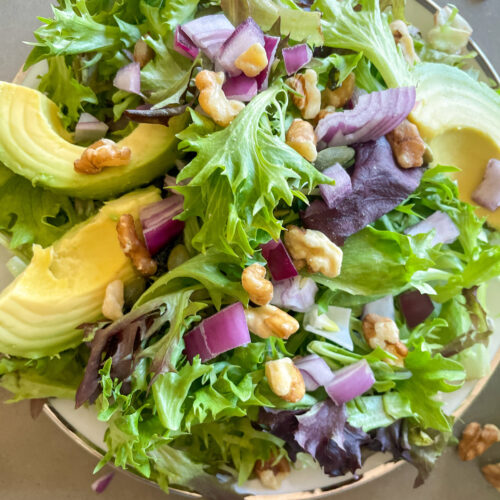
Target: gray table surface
[[38, 461]]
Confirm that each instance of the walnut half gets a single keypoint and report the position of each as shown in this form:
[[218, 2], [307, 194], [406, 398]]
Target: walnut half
[[102, 154], [491, 473], [476, 440], [271, 474]]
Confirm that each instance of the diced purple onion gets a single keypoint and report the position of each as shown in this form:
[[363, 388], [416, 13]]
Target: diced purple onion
[[321, 324], [270, 46], [445, 229], [219, 333], [296, 57], [416, 307], [128, 78], [158, 224], [332, 195], [374, 115], [383, 307], [209, 32], [89, 129], [314, 370], [350, 382], [295, 293], [278, 260], [100, 484], [487, 193], [244, 36], [184, 45], [241, 88]]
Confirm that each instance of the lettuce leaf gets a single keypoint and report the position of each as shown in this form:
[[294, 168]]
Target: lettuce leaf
[[32, 214], [65, 90], [241, 173], [359, 25], [164, 15], [74, 30], [41, 378], [294, 22]]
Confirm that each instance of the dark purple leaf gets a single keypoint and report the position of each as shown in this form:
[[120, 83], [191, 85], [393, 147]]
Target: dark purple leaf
[[378, 186], [159, 116], [416, 307], [100, 484], [119, 341]]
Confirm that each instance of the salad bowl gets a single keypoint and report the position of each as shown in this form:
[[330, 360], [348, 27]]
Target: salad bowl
[[306, 481]]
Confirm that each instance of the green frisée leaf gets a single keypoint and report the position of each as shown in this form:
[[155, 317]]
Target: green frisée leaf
[[367, 77], [241, 173], [359, 25], [57, 377], [397, 8], [165, 15], [63, 88], [75, 31], [334, 69], [294, 22], [475, 360], [33, 215]]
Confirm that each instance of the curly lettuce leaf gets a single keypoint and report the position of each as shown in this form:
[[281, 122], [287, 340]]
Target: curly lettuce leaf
[[32, 214], [241, 173], [60, 84], [359, 25], [294, 22], [165, 15], [74, 30]]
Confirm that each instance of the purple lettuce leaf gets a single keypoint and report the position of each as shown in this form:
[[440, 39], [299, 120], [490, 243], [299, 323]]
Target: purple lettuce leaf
[[378, 186]]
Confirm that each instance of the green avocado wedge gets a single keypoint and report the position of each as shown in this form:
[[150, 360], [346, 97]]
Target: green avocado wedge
[[459, 118], [64, 285], [34, 144]]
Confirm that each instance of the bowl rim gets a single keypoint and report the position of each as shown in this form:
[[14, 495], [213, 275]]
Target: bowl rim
[[319, 493]]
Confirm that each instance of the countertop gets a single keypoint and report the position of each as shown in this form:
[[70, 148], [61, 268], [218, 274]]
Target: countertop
[[38, 461]]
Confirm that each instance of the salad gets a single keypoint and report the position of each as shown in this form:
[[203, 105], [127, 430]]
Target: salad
[[252, 235]]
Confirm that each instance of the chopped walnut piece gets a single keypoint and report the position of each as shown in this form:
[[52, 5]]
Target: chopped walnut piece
[[383, 332], [102, 154], [270, 321], [404, 41], [259, 289], [112, 307], [476, 440], [491, 473], [301, 137], [252, 61], [133, 247], [339, 97], [308, 97], [272, 474], [407, 145], [285, 379]]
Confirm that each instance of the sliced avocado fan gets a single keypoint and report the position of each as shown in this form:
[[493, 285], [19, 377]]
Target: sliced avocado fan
[[34, 144], [64, 285]]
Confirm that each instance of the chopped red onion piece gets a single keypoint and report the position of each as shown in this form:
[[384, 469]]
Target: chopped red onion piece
[[445, 229], [100, 484], [295, 293], [332, 195], [241, 88], [278, 260], [487, 193], [314, 370], [333, 325], [374, 115], [270, 46], [158, 224], [383, 307], [244, 36], [209, 32], [128, 78], [184, 45], [350, 382], [89, 129], [416, 307], [296, 57], [219, 333]]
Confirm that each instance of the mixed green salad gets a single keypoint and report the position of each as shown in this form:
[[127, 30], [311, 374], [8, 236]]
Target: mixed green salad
[[236, 232]]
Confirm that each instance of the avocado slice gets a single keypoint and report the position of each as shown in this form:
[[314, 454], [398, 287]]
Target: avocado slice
[[34, 144], [64, 284], [459, 118]]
